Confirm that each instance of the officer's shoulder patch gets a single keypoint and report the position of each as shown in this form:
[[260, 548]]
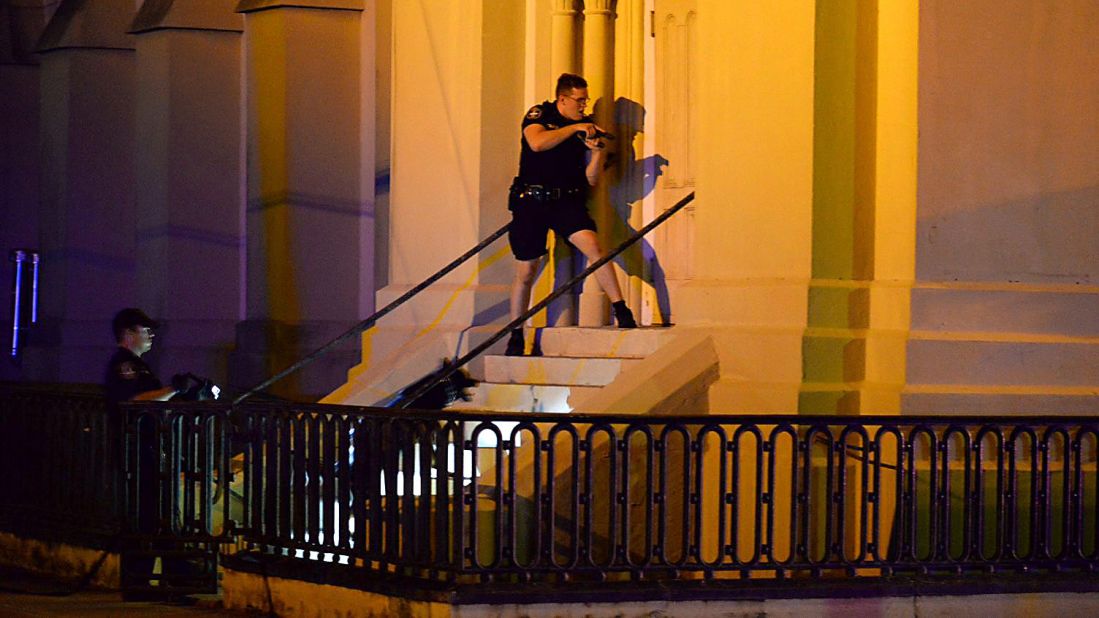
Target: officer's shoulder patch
[[534, 113], [127, 371]]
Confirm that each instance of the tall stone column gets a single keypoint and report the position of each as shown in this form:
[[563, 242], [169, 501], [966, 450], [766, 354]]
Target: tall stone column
[[87, 211], [627, 189], [19, 126], [565, 37], [753, 234], [457, 99], [190, 171], [598, 63], [309, 212]]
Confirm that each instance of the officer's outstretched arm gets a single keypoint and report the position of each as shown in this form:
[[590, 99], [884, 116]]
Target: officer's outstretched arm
[[540, 138], [160, 394]]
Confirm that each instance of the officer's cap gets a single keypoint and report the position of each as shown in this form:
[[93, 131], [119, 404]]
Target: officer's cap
[[129, 318]]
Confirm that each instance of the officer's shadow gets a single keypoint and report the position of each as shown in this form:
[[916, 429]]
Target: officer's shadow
[[630, 179]]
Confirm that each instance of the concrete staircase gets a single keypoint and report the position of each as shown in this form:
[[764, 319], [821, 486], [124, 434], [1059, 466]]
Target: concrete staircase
[[576, 362]]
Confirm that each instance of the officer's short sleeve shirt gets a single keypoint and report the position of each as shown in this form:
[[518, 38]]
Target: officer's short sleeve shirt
[[559, 167], [128, 376]]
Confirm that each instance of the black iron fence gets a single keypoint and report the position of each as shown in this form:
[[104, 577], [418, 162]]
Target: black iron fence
[[177, 494], [466, 497], [58, 464], [176, 469], [516, 497]]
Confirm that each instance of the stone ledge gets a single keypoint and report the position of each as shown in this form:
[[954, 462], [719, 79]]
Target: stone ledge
[[252, 6], [411, 589], [88, 25], [215, 16], [98, 567]]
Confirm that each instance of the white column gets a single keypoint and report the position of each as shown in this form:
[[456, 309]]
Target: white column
[[627, 189], [19, 156], [566, 36], [599, 19], [309, 214], [87, 188], [189, 192]]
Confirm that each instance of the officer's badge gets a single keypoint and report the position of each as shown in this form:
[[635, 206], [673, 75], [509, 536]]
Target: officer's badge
[[127, 371], [551, 126], [534, 113]]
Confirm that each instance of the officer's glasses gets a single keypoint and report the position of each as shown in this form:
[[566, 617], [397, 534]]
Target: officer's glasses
[[582, 101]]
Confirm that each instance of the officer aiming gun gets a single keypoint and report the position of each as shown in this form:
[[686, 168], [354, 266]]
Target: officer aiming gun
[[596, 135], [550, 193]]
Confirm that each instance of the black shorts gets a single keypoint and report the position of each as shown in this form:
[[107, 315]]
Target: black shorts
[[532, 219]]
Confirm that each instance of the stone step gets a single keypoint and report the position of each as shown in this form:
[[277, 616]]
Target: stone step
[[521, 397], [554, 370], [600, 342], [1050, 310], [1062, 362]]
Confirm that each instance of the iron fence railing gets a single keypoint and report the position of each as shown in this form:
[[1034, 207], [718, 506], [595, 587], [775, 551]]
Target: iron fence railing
[[468, 497], [503, 496], [176, 461], [58, 464], [177, 499]]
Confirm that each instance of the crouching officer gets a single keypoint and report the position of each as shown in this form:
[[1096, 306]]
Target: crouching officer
[[562, 156]]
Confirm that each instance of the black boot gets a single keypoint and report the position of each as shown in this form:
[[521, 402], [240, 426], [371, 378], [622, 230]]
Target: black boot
[[516, 343], [623, 315]]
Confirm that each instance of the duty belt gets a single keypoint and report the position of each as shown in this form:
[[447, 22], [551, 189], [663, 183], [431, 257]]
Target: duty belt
[[542, 193]]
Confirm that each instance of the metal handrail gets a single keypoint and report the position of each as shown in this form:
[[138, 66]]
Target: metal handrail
[[450, 370], [373, 319]]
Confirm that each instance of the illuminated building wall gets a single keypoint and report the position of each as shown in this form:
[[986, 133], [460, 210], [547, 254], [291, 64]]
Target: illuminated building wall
[[894, 208]]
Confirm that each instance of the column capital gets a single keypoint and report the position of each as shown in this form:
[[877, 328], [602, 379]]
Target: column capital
[[252, 6], [89, 25], [188, 15], [565, 7], [599, 7]]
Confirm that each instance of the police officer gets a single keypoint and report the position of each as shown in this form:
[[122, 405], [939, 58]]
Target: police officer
[[128, 377], [562, 156]]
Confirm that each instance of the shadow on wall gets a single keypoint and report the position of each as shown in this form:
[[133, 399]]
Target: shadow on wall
[[631, 180], [1047, 238]]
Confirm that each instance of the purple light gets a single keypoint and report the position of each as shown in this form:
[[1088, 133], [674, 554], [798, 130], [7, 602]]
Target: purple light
[[34, 289], [18, 257]]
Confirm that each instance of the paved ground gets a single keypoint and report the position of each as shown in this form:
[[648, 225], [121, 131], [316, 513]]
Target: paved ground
[[22, 594]]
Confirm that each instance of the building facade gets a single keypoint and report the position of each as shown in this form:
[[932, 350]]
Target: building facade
[[895, 200]]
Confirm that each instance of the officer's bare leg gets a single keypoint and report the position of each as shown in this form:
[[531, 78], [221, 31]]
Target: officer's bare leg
[[588, 244], [521, 284]]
